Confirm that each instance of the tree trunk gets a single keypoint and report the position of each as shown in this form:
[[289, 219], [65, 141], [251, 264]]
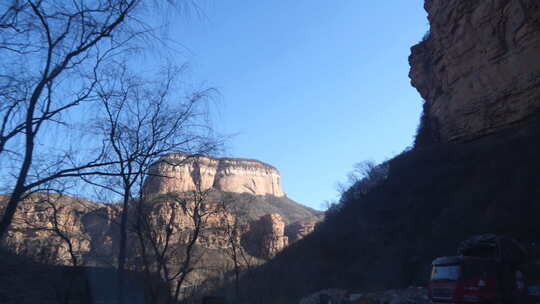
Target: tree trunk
[[122, 248], [19, 190], [14, 200]]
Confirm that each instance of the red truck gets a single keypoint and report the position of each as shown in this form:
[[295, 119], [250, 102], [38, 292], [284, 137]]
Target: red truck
[[487, 269]]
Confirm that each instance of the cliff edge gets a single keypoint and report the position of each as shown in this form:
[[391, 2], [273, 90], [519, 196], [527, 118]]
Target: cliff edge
[[478, 68], [180, 173]]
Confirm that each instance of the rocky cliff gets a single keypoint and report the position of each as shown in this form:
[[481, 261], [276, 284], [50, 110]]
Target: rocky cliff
[[250, 189], [478, 68], [300, 229], [43, 223], [45, 228], [179, 172], [268, 235]]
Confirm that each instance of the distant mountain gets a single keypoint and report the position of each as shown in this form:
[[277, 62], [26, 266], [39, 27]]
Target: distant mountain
[[267, 220]]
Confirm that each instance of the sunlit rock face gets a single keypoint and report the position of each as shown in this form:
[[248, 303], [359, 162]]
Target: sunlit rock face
[[479, 67], [180, 173], [257, 211], [40, 232], [213, 234], [42, 224]]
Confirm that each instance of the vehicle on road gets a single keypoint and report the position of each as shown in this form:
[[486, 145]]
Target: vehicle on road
[[487, 269]]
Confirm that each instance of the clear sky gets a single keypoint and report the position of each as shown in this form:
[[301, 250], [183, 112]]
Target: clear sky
[[309, 86]]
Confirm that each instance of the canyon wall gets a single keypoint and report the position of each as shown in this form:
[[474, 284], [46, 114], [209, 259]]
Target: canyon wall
[[43, 224], [478, 68], [41, 228], [179, 173], [245, 214], [300, 229], [268, 236]]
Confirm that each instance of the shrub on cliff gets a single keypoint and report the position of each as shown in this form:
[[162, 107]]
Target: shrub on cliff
[[362, 179]]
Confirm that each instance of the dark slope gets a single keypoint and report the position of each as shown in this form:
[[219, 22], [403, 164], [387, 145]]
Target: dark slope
[[23, 281], [431, 200]]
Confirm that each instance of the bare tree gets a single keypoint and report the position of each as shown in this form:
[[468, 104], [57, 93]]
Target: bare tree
[[144, 120], [233, 232], [364, 176], [52, 52], [64, 225], [52, 55], [56, 215], [59, 217], [56, 67], [167, 248], [198, 212]]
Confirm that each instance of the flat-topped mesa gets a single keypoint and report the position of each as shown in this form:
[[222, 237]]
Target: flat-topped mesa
[[180, 173]]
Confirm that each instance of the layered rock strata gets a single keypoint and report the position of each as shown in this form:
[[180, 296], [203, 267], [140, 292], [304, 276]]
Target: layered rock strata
[[45, 229], [180, 173], [43, 225], [478, 68]]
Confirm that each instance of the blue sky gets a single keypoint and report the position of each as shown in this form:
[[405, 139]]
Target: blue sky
[[309, 86]]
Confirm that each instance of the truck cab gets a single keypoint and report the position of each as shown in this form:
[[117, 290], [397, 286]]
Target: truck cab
[[463, 279]]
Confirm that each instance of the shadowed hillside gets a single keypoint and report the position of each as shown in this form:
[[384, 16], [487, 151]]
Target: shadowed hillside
[[23, 281], [474, 168], [431, 199]]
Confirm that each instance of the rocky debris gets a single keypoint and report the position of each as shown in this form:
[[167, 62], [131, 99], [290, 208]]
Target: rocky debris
[[417, 295], [180, 173], [478, 68], [334, 295]]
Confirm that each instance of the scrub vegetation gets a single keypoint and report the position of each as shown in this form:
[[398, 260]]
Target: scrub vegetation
[[385, 235]]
